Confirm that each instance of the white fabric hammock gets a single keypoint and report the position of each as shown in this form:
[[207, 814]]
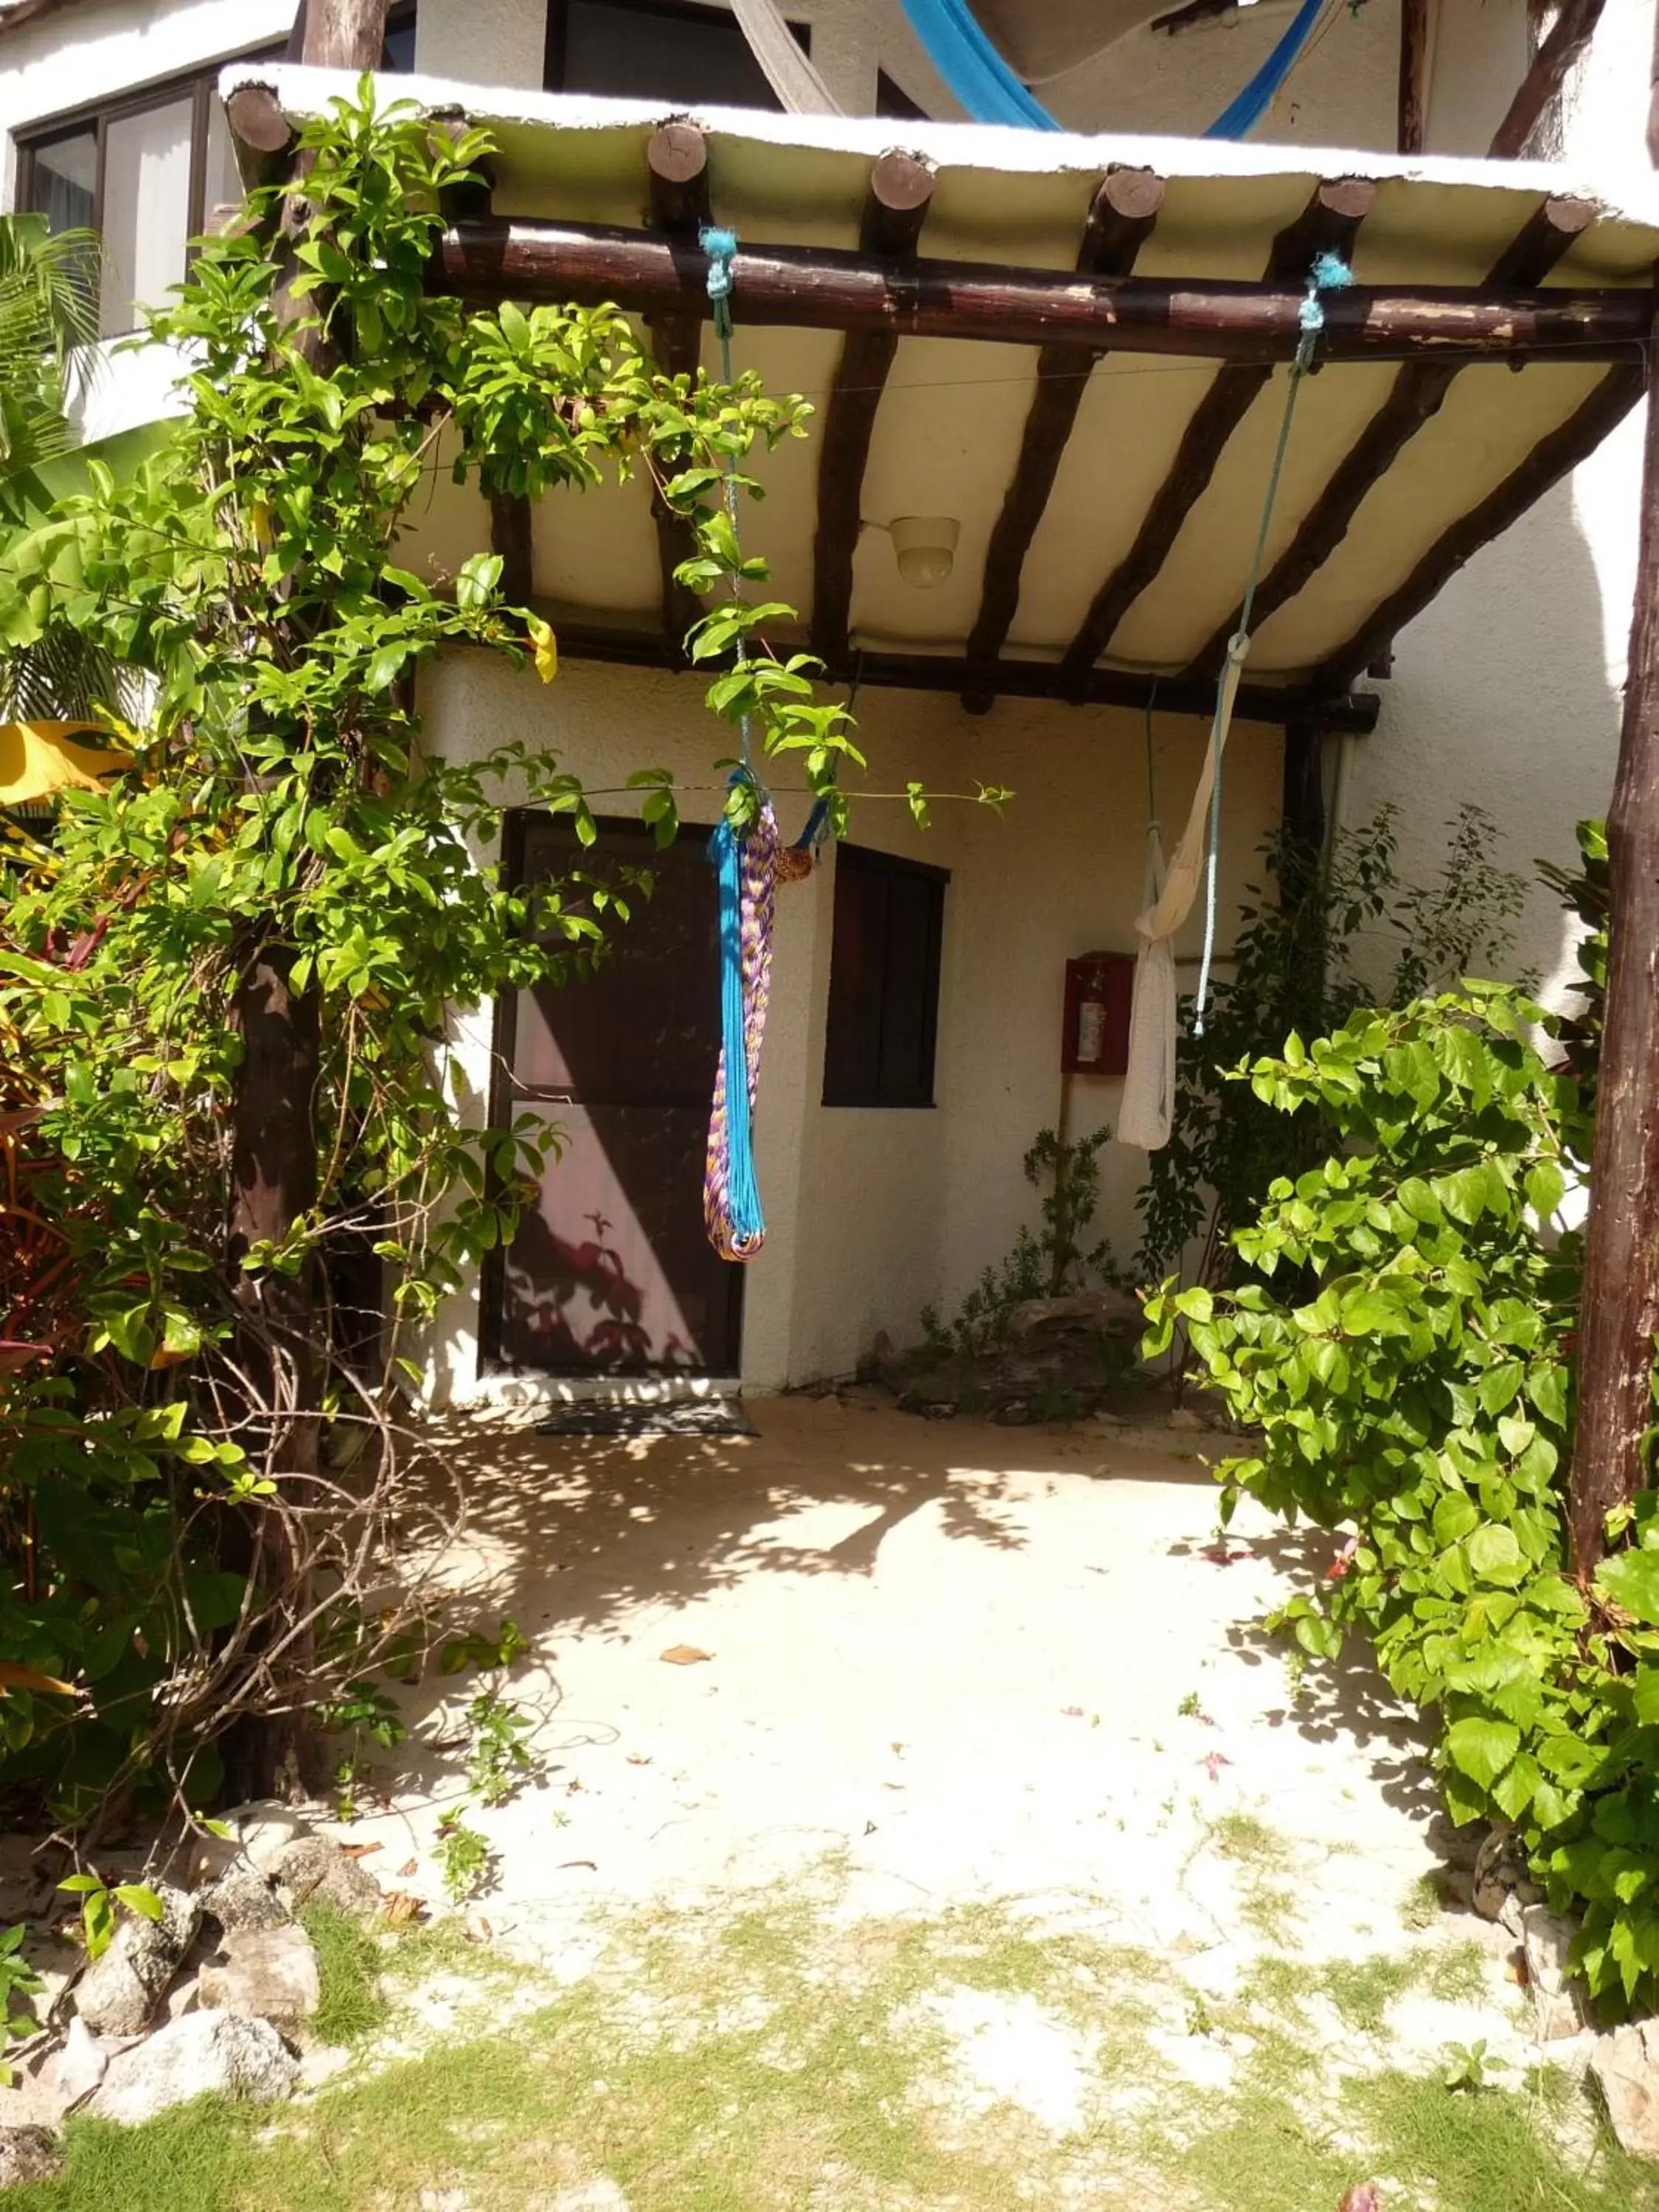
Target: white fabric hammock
[[1148, 1084], [786, 68]]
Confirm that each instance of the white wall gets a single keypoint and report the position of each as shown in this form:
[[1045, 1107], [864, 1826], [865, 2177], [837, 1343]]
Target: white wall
[[872, 1213]]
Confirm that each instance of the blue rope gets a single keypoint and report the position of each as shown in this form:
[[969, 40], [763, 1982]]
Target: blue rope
[[1329, 273], [747, 1222], [982, 80], [972, 67], [1238, 120], [745, 1217]]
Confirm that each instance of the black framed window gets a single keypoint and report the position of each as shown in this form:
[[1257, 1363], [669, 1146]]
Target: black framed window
[[891, 99], [683, 50], [147, 171], [884, 981]]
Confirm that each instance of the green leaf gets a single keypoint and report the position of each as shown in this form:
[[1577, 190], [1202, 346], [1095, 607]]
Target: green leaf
[[138, 1898], [1513, 1791], [1546, 1188], [1454, 1517], [1631, 1580], [1495, 1555], [1481, 1748]]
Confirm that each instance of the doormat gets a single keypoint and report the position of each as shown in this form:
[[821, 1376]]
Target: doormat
[[682, 1417]]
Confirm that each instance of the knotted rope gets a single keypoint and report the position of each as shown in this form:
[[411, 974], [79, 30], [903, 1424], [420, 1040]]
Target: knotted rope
[[749, 863], [1329, 273]]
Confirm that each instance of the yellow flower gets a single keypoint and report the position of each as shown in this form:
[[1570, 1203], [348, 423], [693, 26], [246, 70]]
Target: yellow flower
[[546, 646]]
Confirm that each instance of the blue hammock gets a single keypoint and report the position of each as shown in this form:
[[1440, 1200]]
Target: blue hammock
[[982, 81]]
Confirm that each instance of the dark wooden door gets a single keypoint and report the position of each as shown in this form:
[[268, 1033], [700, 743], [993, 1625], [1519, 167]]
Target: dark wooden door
[[610, 1270]]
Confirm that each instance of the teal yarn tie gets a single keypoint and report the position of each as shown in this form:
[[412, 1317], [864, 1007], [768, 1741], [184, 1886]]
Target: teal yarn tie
[[721, 247], [1329, 273]]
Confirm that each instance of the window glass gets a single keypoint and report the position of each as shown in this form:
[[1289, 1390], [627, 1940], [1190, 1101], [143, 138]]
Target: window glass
[[884, 981], [690, 55], [399, 52], [66, 181], [222, 185], [146, 209]]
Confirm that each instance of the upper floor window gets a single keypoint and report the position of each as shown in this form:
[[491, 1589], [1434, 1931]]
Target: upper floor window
[[147, 171], [683, 50]]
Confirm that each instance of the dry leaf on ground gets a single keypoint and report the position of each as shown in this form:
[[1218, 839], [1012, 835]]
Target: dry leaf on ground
[[685, 1655]]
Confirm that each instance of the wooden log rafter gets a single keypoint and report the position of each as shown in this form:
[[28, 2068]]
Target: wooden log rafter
[[677, 172], [1416, 398], [1330, 223], [895, 209], [1268, 703], [1552, 458], [1121, 215], [827, 287], [1565, 41]]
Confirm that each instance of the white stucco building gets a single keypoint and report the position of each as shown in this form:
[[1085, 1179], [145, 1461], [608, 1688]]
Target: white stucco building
[[891, 1172]]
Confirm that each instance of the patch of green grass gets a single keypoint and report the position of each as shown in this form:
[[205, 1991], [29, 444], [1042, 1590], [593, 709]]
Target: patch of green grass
[[1458, 1976], [1362, 1990], [1241, 1836], [1268, 1909], [349, 1963], [770, 2055], [1422, 1907]]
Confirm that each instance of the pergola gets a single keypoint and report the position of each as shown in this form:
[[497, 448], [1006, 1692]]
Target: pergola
[[1068, 346], [1072, 347]]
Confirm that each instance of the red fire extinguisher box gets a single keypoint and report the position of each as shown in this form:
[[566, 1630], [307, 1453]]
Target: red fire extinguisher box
[[1095, 1041]]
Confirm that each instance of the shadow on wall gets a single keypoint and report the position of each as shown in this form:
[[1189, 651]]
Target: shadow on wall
[[1508, 692]]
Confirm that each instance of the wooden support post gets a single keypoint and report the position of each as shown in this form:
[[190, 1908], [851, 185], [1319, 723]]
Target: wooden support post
[[1619, 1317], [1552, 458], [510, 535], [1330, 223], [1120, 220], [1302, 810], [1567, 38], [826, 288], [345, 34], [1419, 390], [274, 1143], [677, 171], [1413, 74], [895, 208]]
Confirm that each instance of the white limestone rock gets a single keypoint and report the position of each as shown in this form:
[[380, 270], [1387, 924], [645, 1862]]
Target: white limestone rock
[[205, 2053]]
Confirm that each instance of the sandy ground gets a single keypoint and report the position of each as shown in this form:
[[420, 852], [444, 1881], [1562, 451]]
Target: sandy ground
[[954, 1653]]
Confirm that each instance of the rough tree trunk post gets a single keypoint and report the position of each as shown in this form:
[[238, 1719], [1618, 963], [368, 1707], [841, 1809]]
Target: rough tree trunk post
[[1620, 1312], [342, 33], [273, 1129]]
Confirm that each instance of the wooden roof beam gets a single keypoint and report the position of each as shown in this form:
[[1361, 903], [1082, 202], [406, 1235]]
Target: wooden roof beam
[[677, 172], [1569, 35], [1270, 703], [823, 288], [1553, 458], [1330, 223], [895, 207], [1121, 219], [1415, 399]]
